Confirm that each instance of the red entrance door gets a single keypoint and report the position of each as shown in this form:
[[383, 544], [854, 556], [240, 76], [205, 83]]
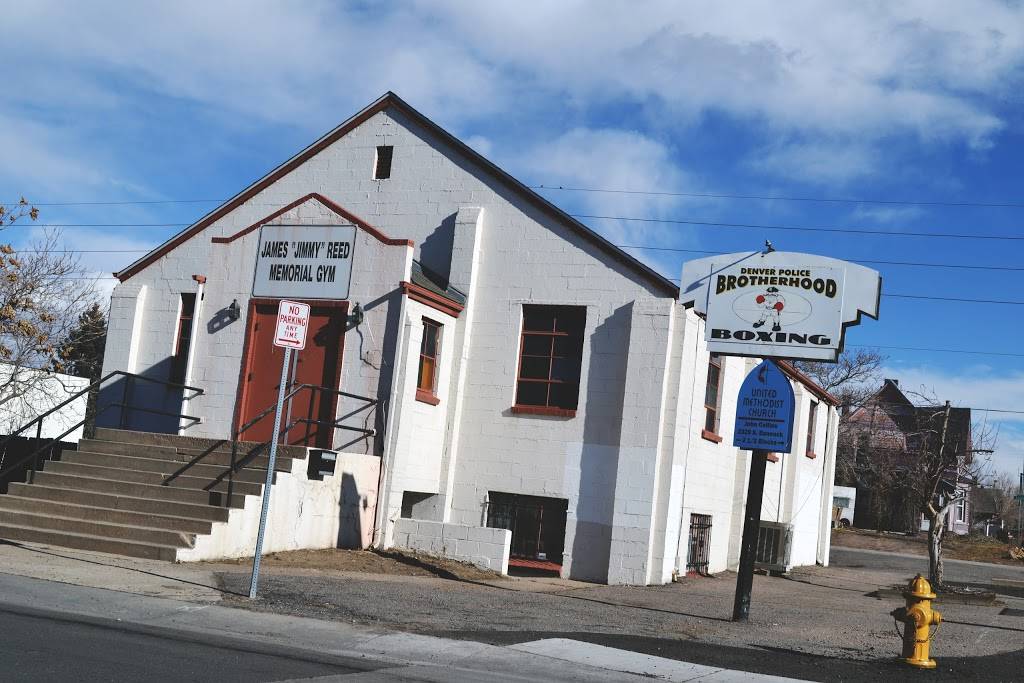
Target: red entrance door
[[319, 364]]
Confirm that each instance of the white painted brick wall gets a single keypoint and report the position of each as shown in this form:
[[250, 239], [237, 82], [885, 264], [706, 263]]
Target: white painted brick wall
[[632, 457], [481, 546]]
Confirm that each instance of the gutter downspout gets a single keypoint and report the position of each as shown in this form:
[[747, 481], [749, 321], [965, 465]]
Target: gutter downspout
[[689, 433]]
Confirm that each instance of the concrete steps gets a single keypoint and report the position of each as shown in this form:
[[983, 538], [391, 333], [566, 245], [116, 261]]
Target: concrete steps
[[100, 544], [41, 506], [134, 493], [155, 478], [164, 467]]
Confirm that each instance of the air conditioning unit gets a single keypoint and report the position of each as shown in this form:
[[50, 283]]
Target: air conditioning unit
[[774, 543]]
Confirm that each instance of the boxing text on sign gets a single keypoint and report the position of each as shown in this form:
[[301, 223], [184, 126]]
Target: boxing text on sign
[[779, 304]]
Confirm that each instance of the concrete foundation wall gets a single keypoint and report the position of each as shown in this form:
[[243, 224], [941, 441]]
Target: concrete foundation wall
[[481, 546], [337, 511]]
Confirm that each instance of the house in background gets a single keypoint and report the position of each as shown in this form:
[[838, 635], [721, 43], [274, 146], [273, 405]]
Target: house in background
[[502, 385], [883, 437]]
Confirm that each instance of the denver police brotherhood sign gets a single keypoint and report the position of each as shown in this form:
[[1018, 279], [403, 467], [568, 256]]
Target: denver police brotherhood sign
[[779, 304], [304, 261]]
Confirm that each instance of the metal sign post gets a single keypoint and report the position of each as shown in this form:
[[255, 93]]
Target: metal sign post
[[764, 423], [292, 322]]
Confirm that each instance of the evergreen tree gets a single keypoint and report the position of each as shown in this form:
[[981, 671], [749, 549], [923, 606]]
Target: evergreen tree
[[81, 353]]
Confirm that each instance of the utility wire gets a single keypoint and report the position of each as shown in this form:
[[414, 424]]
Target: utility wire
[[922, 348], [802, 228], [832, 200], [630, 246], [640, 219], [652, 193], [1004, 302], [866, 261]]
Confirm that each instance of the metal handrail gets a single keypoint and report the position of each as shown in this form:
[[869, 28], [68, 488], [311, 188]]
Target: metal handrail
[[123, 404], [251, 455]]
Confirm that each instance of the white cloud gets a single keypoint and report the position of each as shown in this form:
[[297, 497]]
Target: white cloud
[[615, 159], [819, 163]]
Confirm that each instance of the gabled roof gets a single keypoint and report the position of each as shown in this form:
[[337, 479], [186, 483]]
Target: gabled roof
[[391, 100], [912, 419]]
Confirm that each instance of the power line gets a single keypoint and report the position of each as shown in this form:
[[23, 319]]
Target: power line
[[867, 261], [1005, 302], [631, 246], [831, 200], [802, 228], [946, 298], [124, 203], [108, 225], [921, 348], [605, 190]]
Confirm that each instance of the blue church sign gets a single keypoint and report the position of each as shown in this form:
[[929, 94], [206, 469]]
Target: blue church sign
[[764, 411]]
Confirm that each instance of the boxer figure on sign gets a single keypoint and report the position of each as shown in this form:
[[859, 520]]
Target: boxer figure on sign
[[771, 304]]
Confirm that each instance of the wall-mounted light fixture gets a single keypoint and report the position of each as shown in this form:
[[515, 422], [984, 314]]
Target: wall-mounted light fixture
[[357, 315], [234, 310]]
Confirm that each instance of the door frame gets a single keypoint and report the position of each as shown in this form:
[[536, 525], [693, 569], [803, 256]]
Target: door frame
[[248, 351]]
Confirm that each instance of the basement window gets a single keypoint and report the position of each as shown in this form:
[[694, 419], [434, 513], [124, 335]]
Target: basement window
[[382, 165]]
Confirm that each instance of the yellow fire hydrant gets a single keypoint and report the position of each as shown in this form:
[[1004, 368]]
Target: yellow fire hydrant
[[917, 616]]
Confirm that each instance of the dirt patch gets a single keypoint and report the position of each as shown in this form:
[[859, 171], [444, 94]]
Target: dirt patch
[[954, 547], [370, 562]]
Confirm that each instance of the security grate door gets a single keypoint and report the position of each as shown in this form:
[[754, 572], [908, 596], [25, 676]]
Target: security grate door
[[700, 544], [537, 524]]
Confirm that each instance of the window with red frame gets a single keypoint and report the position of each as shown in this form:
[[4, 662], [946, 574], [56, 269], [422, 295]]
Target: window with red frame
[[550, 356], [812, 423], [713, 395], [183, 339], [430, 349]]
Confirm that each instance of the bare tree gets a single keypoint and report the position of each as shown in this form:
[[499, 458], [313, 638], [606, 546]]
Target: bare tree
[[42, 295], [852, 379], [1004, 488], [941, 467]]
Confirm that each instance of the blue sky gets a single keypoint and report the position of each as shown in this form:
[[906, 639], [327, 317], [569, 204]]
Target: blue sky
[[916, 101]]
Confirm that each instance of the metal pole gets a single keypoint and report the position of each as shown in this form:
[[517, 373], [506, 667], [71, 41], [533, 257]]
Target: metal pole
[[270, 475], [751, 526], [293, 379]]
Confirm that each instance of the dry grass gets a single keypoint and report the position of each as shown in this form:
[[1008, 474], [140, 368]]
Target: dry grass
[[977, 549], [370, 562]]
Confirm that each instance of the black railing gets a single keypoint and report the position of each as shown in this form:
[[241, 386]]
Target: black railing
[[124, 405], [328, 424]]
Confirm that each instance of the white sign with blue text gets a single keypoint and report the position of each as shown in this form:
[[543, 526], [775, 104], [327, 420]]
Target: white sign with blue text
[[764, 411]]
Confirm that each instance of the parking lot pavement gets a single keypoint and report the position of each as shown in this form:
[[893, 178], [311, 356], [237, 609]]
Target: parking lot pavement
[[815, 612], [815, 620]]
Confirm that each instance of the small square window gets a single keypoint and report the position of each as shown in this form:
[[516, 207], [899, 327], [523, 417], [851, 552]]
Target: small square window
[[382, 166]]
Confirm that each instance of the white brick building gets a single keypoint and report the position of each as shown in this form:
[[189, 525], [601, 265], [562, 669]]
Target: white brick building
[[560, 391]]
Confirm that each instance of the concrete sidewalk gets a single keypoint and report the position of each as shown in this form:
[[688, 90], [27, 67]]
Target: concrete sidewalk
[[819, 623], [403, 656]]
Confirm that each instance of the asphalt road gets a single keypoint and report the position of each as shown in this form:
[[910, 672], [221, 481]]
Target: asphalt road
[[46, 646], [975, 574]]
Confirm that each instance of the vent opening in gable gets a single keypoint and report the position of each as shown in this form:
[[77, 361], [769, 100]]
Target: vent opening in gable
[[382, 167]]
